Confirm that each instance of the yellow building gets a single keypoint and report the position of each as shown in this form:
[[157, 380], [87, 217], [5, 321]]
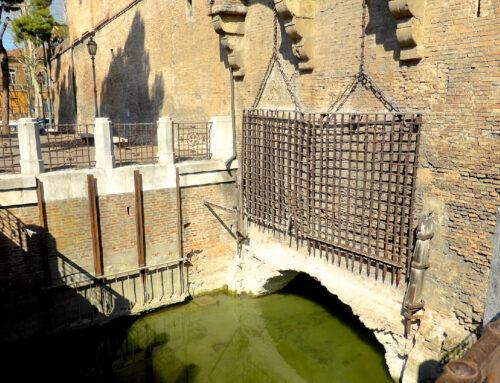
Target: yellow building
[[19, 88]]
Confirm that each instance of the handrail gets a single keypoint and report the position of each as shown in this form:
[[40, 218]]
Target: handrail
[[93, 279], [480, 363]]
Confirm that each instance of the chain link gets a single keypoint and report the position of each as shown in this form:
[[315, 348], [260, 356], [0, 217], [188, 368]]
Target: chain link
[[275, 59], [362, 78]]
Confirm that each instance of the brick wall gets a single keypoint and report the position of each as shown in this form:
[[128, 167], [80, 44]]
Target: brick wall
[[183, 73], [69, 245]]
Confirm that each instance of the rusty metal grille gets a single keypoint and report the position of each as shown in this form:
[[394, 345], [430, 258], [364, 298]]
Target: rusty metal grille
[[135, 143], [9, 152], [69, 146], [344, 183], [192, 140]]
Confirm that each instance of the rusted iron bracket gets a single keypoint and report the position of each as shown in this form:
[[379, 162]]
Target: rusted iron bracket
[[94, 226]]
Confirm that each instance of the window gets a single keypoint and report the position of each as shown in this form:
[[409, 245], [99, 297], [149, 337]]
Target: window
[[12, 77]]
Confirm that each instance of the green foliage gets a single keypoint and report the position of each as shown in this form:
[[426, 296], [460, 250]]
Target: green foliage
[[35, 25]]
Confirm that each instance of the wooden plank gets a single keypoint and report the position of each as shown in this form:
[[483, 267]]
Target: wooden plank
[[94, 226]]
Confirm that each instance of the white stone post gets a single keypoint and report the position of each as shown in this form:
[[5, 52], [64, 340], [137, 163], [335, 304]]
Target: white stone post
[[29, 146], [221, 138], [165, 140], [103, 141]]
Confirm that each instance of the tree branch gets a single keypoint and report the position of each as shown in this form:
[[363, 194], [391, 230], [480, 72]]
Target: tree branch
[[4, 27]]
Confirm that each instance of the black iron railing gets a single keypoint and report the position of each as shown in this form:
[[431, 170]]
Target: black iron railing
[[192, 140]]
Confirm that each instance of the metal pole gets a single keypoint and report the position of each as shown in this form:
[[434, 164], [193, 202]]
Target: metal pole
[[47, 86], [233, 119], [94, 226], [96, 110], [41, 98]]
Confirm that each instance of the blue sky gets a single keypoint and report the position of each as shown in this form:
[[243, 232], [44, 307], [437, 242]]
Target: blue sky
[[57, 11]]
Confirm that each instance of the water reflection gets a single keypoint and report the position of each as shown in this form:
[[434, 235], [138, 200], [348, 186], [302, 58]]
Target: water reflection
[[279, 338]]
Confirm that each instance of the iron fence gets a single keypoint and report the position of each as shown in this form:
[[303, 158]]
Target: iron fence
[[117, 294], [135, 143], [69, 146], [192, 140], [9, 151], [342, 182]]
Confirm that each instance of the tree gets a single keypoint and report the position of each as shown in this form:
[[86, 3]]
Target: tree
[[33, 27], [6, 6]]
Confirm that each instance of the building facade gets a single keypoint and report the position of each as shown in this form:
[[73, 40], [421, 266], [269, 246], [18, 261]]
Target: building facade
[[437, 58]]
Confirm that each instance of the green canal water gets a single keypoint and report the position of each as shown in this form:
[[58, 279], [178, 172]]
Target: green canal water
[[302, 334]]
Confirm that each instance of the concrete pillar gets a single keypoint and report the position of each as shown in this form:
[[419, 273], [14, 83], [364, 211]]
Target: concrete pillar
[[221, 138], [165, 140], [103, 141], [29, 146]]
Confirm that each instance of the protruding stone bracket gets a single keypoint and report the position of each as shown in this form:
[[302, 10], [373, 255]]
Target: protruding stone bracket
[[409, 15], [228, 18], [298, 16]]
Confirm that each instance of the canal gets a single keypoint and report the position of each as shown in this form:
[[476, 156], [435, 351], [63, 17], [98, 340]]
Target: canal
[[302, 334]]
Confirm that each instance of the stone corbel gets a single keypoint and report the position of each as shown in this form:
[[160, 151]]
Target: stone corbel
[[228, 19], [409, 15], [298, 16]]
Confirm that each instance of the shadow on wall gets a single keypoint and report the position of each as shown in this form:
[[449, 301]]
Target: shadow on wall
[[125, 92], [66, 110], [28, 308], [429, 371], [383, 25]]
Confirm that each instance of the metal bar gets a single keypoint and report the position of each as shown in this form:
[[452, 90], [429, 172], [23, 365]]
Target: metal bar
[[139, 219], [414, 178], [395, 237], [94, 226], [43, 233], [179, 221]]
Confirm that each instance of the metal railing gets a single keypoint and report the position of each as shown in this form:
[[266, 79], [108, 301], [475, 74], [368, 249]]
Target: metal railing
[[9, 151], [120, 293], [69, 146], [135, 143], [342, 182], [192, 140], [480, 364]]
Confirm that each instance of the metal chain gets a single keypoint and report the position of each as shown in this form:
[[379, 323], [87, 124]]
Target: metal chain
[[362, 78], [275, 59]]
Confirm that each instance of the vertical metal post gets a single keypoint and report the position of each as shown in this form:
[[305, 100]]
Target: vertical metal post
[[43, 234], [94, 226], [139, 219], [47, 85], [96, 109], [179, 227]]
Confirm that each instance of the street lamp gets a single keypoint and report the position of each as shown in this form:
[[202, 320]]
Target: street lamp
[[92, 47], [39, 80]]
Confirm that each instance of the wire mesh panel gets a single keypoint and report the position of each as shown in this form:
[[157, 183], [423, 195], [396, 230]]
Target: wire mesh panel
[[135, 143], [343, 182], [9, 151], [69, 146], [192, 140]]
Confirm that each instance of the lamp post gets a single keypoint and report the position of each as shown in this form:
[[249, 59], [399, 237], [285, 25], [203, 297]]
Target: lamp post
[[47, 86], [92, 47], [39, 80]]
